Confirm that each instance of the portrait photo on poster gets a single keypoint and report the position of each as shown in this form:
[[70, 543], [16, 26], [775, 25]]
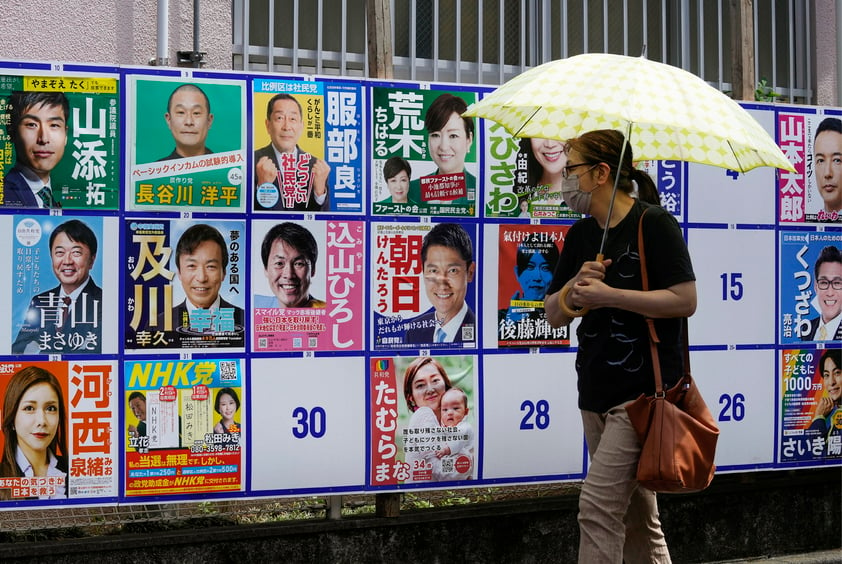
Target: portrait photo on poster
[[192, 157], [63, 132]]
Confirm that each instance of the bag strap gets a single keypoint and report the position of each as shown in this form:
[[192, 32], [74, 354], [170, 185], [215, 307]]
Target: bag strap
[[650, 323]]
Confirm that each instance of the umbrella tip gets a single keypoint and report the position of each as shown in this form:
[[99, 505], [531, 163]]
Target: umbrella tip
[[643, 52]]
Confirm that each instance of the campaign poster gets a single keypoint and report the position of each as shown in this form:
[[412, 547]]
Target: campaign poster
[[811, 405], [184, 426], [308, 145], [62, 299], [524, 176], [527, 257], [61, 144], [61, 430], [670, 177], [183, 284], [810, 286], [186, 143], [423, 304], [308, 285], [424, 154], [424, 420], [812, 142]]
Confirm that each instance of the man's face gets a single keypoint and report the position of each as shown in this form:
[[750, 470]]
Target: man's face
[[450, 145], [535, 278], [285, 125], [832, 376], [201, 274], [830, 300], [189, 121], [828, 163], [289, 273], [138, 406], [72, 261], [446, 278], [41, 138]]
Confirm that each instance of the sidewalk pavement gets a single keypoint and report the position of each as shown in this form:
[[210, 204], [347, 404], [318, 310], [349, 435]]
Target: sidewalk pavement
[[821, 557]]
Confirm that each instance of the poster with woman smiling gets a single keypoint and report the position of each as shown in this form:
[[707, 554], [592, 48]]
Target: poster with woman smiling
[[424, 420], [438, 147]]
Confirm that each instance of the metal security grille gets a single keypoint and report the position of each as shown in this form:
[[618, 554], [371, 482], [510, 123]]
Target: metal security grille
[[490, 41]]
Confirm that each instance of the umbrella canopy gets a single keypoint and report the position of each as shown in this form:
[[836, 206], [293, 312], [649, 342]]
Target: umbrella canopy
[[666, 113]]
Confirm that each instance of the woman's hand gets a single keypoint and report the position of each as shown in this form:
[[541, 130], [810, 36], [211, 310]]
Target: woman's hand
[[588, 289]]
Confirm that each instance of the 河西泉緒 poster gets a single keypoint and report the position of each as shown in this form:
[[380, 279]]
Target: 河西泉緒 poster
[[810, 286], [61, 443], [424, 420], [186, 144], [812, 142], [184, 284], [425, 153], [184, 426], [308, 145], [811, 405], [423, 285], [62, 145], [62, 299], [527, 259], [307, 281]]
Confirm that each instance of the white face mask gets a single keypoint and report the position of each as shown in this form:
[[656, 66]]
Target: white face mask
[[576, 200]]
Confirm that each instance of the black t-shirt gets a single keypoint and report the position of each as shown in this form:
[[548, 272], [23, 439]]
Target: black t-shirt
[[614, 363]]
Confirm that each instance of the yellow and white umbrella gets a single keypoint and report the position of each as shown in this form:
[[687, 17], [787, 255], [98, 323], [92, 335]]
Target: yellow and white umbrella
[[666, 113]]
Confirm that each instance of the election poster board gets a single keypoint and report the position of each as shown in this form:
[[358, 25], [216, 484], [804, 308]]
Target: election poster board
[[309, 294], [421, 130], [308, 145], [62, 299], [186, 144], [418, 304], [424, 417], [197, 339], [60, 130], [185, 429], [65, 413], [183, 284]]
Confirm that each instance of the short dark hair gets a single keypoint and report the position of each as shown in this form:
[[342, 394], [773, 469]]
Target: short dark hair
[[196, 235], [21, 101], [76, 231], [450, 235], [833, 354], [536, 243], [394, 165], [188, 87], [830, 124], [136, 395], [442, 108], [827, 254], [277, 97], [294, 235], [230, 392]]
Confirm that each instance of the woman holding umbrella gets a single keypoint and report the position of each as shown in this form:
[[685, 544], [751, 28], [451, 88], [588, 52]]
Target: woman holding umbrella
[[618, 519]]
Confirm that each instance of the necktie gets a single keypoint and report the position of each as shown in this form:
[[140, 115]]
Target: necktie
[[46, 195], [822, 334], [65, 311], [440, 335]]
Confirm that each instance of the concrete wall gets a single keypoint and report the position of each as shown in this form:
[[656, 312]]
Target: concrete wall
[[828, 44], [120, 32]]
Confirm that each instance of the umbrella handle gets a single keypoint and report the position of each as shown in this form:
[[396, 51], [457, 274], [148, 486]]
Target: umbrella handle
[[564, 291]]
